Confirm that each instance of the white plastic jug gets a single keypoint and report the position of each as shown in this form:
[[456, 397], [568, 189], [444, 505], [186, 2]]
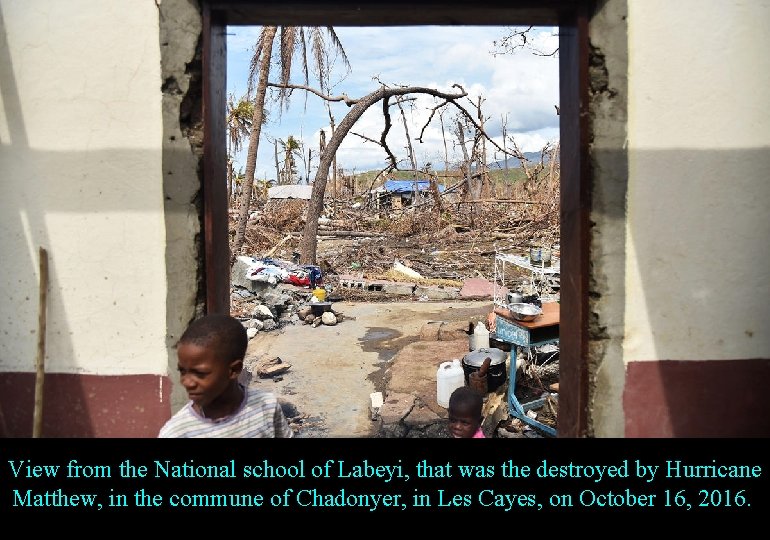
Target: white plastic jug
[[449, 377], [480, 337]]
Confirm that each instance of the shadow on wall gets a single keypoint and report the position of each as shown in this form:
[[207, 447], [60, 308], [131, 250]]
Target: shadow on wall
[[75, 404], [32, 200]]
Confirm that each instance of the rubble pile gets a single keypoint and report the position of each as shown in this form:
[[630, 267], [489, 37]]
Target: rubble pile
[[455, 243]]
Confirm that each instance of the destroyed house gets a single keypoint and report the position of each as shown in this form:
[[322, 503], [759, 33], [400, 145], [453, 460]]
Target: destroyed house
[[398, 193]]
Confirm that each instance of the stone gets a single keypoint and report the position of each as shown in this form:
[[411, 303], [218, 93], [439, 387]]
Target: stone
[[239, 292], [238, 273], [395, 407], [328, 318], [270, 367], [273, 370], [420, 415], [398, 289], [438, 430], [452, 331], [269, 324], [255, 323], [251, 332], [430, 331], [477, 288], [263, 312], [437, 293], [275, 299], [393, 431]]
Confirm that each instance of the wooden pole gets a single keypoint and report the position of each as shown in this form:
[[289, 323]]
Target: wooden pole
[[37, 418]]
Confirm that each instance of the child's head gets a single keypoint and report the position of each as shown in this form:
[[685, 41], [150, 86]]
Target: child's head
[[465, 405], [210, 357]]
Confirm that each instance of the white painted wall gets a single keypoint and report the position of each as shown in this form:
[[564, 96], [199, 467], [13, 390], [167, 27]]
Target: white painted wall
[[698, 263], [80, 162]]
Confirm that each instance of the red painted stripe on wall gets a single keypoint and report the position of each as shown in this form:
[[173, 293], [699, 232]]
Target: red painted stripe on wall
[[86, 405], [697, 398]]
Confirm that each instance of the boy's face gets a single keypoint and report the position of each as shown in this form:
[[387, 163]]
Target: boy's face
[[462, 424], [203, 375]]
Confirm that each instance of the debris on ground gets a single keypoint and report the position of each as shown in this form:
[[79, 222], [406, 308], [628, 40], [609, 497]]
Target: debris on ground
[[271, 367], [427, 251]]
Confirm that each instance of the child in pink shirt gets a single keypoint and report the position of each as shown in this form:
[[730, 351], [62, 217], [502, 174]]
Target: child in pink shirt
[[464, 409]]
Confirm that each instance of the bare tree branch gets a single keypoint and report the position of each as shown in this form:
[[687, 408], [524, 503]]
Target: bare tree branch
[[386, 129], [379, 174], [364, 137], [518, 38], [343, 97], [427, 123], [408, 144]]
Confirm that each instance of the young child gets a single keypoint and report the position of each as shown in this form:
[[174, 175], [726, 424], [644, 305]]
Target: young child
[[464, 409], [210, 357]]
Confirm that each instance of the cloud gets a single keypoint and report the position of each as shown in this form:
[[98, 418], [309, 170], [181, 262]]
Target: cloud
[[522, 87]]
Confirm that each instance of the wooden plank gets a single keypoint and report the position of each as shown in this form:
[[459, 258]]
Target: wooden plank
[[394, 12], [37, 415]]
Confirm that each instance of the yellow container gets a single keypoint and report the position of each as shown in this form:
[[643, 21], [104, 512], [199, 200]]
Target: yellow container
[[320, 293]]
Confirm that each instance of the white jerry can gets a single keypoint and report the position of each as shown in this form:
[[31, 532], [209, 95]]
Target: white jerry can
[[480, 337], [449, 377]]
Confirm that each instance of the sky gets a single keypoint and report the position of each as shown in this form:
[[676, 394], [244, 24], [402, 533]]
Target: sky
[[522, 86]]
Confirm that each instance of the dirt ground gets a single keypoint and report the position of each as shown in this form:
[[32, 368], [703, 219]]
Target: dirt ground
[[334, 369]]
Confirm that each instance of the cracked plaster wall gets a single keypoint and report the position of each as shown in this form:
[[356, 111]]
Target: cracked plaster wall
[[680, 157], [80, 162], [609, 163], [101, 145], [180, 45]]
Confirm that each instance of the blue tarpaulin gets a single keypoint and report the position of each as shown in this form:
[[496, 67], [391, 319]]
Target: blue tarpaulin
[[407, 186]]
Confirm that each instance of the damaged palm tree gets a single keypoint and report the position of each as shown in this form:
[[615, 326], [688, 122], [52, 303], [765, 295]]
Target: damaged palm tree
[[239, 117], [291, 37]]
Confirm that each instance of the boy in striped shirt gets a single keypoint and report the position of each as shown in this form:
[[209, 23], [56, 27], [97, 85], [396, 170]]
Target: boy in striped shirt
[[210, 357]]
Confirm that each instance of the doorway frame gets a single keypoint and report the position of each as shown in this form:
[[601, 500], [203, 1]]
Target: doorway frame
[[571, 16]]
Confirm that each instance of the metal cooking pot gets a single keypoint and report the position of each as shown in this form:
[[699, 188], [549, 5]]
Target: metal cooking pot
[[496, 375], [319, 308], [539, 256]]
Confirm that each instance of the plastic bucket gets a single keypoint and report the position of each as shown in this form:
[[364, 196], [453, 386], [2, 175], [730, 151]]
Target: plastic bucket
[[320, 293]]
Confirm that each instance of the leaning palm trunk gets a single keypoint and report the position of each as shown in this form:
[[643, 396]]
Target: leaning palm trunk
[[256, 129]]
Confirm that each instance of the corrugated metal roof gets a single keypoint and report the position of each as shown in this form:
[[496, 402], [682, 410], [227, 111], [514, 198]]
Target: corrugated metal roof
[[290, 191]]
